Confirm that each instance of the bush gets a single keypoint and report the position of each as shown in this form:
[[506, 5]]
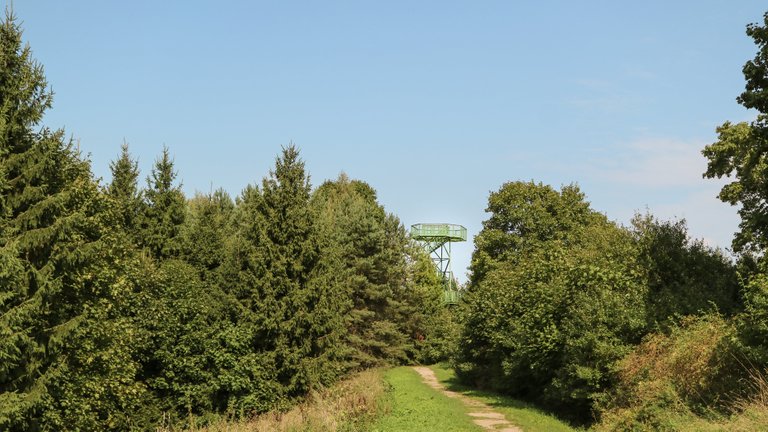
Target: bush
[[671, 378], [549, 320], [753, 323]]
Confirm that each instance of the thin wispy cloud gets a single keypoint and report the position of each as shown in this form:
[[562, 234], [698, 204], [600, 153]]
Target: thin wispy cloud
[[664, 176], [655, 163], [708, 218]]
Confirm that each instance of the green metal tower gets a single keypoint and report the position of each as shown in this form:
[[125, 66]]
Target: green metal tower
[[437, 239]]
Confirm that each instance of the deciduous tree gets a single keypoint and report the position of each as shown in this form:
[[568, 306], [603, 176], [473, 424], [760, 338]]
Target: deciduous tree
[[741, 152]]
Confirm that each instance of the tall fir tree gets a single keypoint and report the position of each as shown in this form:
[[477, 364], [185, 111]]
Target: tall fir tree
[[366, 249], [206, 232], [274, 269], [124, 189], [164, 210], [54, 267]]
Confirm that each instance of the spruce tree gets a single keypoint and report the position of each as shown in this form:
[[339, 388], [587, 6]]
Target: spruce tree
[[251, 379], [55, 275], [164, 211], [274, 269], [289, 243], [124, 188], [367, 250]]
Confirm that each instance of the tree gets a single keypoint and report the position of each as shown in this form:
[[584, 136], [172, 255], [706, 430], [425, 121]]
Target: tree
[[124, 188], [192, 353], [355, 246], [306, 321], [57, 269], [741, 152], [164, 209], [684, 276], [433, 327], [560, 298], [206, 231], [525, 214], [273, 268], [379, 271]]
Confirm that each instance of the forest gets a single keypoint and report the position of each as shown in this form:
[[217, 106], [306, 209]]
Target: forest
[[126, 304]]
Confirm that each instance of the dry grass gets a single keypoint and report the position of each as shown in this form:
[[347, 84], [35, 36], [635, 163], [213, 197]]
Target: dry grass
[[347, 406], [753, 411], [688, 360], [688, 381], [674, 380]]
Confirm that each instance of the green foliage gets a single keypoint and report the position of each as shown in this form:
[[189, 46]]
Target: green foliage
[[94, 384], [355, 247], [392, 288], [558, 294], [547, 319], [164, 210], [753, 322], [438, 325], [98, 336], [193, 344], [523, 215], [684, 277], [672, 379], [57, 269], [206, 231], [756, 93], [740, 152], [124, 190], [273, 268], [24, 93]]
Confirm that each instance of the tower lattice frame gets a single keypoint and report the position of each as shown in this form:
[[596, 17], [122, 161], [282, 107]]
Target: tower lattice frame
[[436, 239]]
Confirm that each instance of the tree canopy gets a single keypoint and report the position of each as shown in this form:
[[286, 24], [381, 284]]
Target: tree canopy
[[122, 307], [133, 307], [741, 152]]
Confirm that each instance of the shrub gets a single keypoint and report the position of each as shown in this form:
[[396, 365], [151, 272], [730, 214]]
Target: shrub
[[548, 320], [667, 378]]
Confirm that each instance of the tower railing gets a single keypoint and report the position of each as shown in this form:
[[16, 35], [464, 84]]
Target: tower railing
[[439, 230], [436, 239]]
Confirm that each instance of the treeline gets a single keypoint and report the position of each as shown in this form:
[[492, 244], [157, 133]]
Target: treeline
[[559, 295], [128, 306], [628, 328], [123, 307]]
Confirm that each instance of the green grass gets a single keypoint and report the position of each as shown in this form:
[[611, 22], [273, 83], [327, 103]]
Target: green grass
[[521, 414], [412, 406]]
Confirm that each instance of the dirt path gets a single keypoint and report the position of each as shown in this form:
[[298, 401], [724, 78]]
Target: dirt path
[[483, 415]]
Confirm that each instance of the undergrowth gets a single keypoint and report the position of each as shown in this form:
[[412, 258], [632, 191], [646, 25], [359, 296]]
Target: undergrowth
[[348, 406], [692, 379]]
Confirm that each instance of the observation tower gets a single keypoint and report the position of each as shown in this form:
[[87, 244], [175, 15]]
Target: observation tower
[[436, 239]]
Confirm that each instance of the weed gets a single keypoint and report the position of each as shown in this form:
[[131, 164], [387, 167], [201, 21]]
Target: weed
[[345, 407]]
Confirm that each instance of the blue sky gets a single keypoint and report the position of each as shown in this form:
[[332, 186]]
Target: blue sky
[[435, 104]]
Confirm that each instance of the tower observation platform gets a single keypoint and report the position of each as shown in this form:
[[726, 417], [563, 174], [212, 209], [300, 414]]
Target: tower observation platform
[[436, 239]]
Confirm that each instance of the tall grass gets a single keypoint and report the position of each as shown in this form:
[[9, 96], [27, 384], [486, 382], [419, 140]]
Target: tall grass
[[688, 380], [345, 407], [752, 411]]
